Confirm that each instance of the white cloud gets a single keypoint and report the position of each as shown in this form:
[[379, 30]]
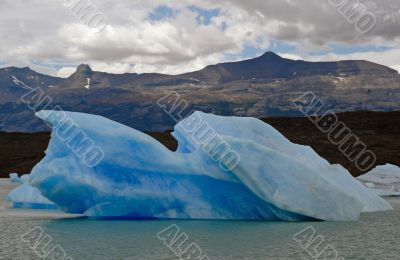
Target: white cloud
[[291, 56], [396, 67], [65, 72], [45, 31]]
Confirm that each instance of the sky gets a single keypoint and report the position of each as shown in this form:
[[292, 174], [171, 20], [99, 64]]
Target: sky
[[177, 36]]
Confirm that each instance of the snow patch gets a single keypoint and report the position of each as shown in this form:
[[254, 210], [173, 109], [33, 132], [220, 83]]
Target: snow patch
[[88, 84], [20, 83]]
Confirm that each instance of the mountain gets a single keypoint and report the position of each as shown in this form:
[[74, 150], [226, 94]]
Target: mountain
[[263, 86], [271, 66], [14, 81]]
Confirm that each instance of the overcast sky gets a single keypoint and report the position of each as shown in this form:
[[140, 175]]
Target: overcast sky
[[177, 36]]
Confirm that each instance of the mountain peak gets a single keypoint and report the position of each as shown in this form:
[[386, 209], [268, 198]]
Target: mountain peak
[[84, 68], [270, 55], [22, 69]]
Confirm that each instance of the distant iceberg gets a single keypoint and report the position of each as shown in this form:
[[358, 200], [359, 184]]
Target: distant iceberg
[[384, 180], [26, 196], [14, 178], [225, 168]]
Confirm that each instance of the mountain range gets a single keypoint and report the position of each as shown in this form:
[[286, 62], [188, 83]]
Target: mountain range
[[259, 87]]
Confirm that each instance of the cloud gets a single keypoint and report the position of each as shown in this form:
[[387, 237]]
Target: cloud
[[396, 67], [291, 56], [389, 57], [65, 72], [179, 36], [319, 22]]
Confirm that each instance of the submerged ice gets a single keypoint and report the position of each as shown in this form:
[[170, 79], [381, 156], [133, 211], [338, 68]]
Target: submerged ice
[[224, 168]]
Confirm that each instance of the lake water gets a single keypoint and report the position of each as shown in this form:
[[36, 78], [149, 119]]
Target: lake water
[[375, 236]]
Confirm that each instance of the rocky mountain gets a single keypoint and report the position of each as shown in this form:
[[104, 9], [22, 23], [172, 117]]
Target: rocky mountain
[[259, 87], [15, 81], [272, 66]]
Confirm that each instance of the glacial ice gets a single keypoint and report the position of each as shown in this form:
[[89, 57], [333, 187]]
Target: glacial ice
[[26, 196], [138, 178], [383, 180], [14, 178]]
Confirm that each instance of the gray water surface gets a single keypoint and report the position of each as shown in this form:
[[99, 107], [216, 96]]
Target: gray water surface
[[375, 236]]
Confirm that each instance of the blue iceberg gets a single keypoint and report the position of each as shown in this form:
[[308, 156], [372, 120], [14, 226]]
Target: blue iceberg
[[224, 168], [14, 178], [26, 196]]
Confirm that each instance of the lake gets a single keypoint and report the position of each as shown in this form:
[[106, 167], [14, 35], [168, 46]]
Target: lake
[[375, 236]]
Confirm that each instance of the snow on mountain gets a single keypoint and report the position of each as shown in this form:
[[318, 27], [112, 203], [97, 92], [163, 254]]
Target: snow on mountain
[[88, 84], [20, 83]]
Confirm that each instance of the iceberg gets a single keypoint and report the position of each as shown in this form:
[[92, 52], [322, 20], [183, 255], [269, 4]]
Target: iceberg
[[14, 178], [224, 168], [26, 196], [383, 180]]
